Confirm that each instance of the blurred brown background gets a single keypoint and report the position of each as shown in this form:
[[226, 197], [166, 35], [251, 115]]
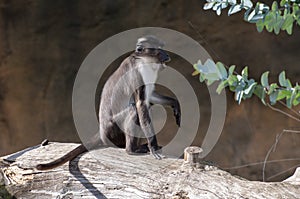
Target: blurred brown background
[[43, 43]]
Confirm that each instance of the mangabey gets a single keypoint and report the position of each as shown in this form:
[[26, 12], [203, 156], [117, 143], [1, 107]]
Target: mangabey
[[125, 106]]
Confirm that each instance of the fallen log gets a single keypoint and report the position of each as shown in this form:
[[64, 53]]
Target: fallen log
[[111, 173]]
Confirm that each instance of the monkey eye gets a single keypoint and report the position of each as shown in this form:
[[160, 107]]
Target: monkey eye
[[139, 49], [152, 51]]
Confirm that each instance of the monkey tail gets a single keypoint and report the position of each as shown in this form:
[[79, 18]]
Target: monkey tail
[[68, 157]]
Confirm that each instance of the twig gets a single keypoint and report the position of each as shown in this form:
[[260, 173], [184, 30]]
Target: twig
[[257, 163], [273, 148], [277, 174], [291, 131], [202, 39], [297, 113], [282, 112]]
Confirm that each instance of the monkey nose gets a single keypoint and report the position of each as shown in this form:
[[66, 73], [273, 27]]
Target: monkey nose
[[167, 59], [163, 56]]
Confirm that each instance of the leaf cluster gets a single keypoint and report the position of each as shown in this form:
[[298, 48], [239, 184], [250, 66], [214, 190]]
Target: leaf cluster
[[278, 17], [245, 87]]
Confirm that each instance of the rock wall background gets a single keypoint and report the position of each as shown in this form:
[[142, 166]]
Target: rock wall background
[[42, 44]]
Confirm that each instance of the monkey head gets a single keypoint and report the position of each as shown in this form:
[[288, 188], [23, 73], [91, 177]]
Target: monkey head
[[152, 46]]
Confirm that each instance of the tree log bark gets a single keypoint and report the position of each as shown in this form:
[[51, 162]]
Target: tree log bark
[[111, 173]]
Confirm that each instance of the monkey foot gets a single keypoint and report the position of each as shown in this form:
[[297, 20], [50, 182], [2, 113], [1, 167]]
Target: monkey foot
[[156, 152]]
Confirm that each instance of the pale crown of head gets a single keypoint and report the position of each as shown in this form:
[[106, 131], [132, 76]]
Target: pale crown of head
[[150, 41]]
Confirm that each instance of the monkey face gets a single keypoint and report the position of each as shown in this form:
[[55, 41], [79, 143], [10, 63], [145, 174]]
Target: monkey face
[[151, 46]]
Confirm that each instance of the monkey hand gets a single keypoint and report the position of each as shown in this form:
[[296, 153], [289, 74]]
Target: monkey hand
[[156, 152], [177, 113]]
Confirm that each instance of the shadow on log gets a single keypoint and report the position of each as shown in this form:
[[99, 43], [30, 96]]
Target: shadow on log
[[111, 173]]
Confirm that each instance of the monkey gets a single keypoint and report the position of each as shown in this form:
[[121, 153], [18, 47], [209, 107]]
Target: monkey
[[124, 110]]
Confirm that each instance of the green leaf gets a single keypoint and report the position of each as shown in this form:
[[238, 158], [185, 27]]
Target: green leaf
[[222, 70], [297, 99], [269, 27], [221, 86], [289, 30], [260, 25], [283, 2], [245, 72], [234, 9], [195, 73], [282, 79], [247, 14], [249, 91], [274, 6], [283, 94], [232, 2], [296, 102], [289, 102], [256, 18], [208, 5], [232, 80], [263, 7], [250, 88], [259, 91], [251, 15], [256, 14], [210, 82], [218, 11], [247, 4], [278, 24], [273, 97], [295, 8], [264, 79], [280, 96], [231, 69], [268, 18], [288, 21], [298, 21], [276, 29], [288, 24], [270, 21], [202, 77], [241, 83], [212, 76], [209, 70], [198, 65], [294, 93], [239, 96], [288, 84], [272, 88]]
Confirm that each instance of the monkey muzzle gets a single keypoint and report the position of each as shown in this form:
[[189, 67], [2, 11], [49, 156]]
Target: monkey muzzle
[[163, 56]]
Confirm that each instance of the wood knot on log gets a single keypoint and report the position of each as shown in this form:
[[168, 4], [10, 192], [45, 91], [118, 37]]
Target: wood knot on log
[[192, 154]]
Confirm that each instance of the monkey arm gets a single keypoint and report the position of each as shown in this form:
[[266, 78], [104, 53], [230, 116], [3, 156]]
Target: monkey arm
[[143, 113], [147, 128], [156, 98]]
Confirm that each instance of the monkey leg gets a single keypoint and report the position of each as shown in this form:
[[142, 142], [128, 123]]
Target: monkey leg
[[133, 148], [111, 134], [148, 130], [133, 132], [145, 147]]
